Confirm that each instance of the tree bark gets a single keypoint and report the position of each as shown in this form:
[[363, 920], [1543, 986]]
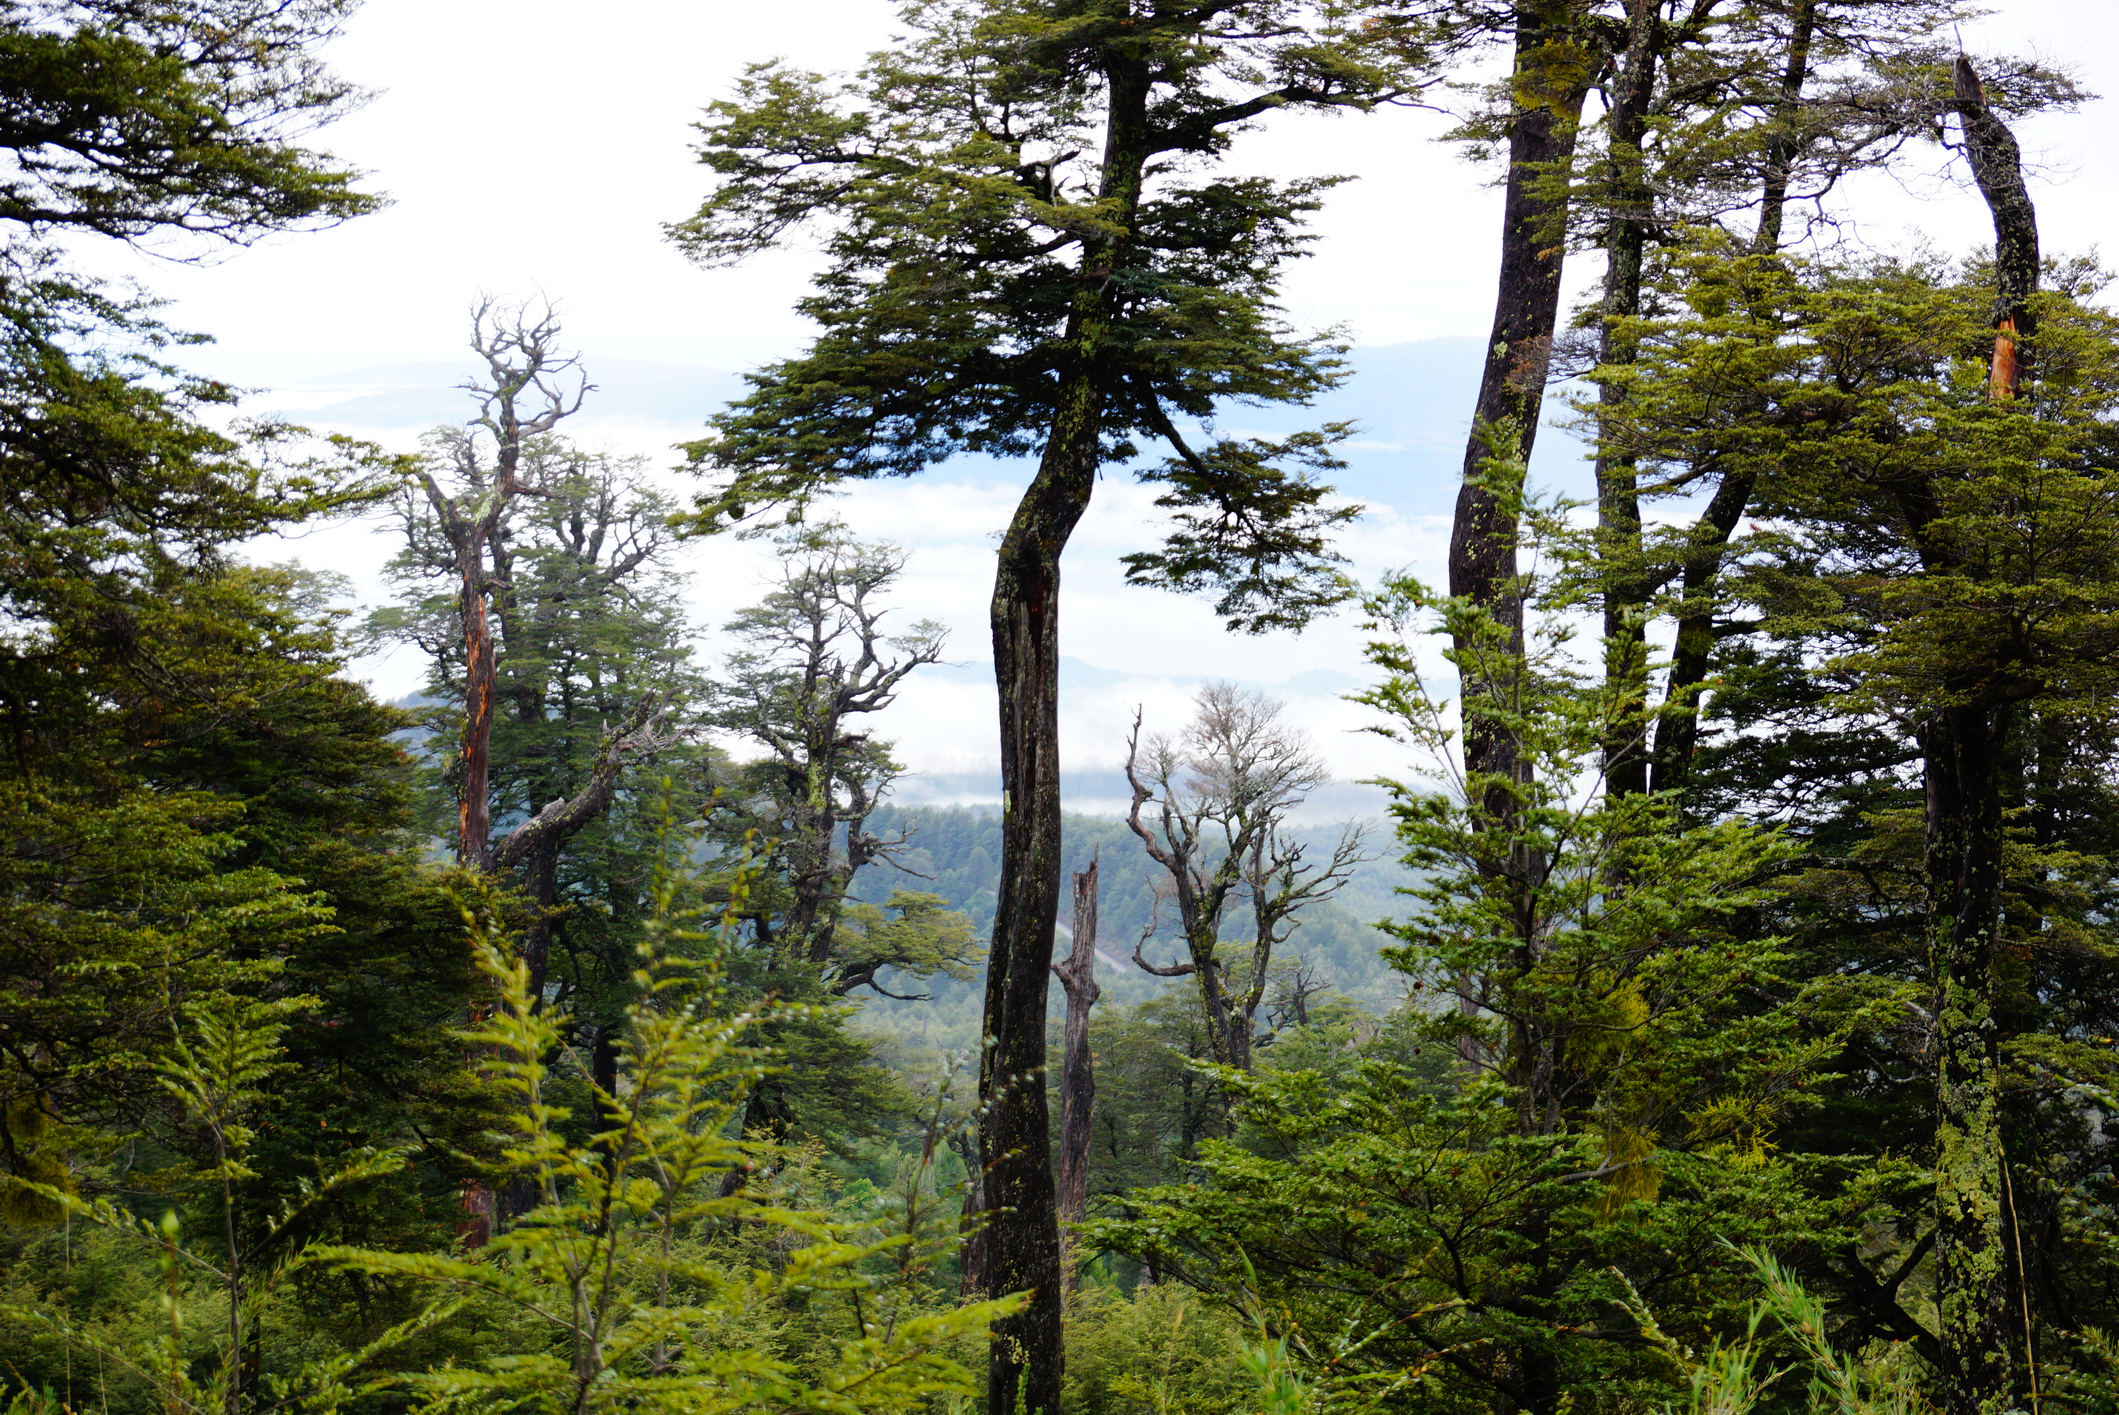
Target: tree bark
[[1077, 975], [1021, 1248], [1678, 732], [1550, 77], [1783, 145], [474, 817], [1964, 750], [1618, 494]]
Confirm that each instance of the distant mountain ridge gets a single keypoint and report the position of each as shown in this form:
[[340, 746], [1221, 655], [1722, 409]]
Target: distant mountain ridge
[[955, 852]]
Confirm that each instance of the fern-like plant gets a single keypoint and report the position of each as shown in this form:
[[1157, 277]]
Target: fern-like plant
[[634, 1275]]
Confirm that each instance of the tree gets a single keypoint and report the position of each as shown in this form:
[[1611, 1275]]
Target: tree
[[561, 611], [577, 623], [1619, 1058], [468, 529], [1223, 794], [817, 660], [628, 1285], [1938, 591], [309, 906], [1763, 115], [1551, 70], [991, 289], [121, 505], [127, 890], [185, 118], [634, 1310]]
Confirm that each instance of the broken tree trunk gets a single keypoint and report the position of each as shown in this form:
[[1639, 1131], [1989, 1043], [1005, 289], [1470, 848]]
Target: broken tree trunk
[[1077, 975], [1963, 749], [1997, 165]]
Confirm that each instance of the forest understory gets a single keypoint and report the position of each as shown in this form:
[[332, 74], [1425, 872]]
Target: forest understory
[[1721, 1015]]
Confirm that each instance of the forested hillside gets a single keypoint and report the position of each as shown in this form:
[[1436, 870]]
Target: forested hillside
[[1713, 1008], [956, 850]]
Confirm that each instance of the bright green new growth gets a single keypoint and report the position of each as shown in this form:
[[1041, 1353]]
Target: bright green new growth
[[219, 1069], [632, 1264], [631, 1284], [1734, 1378]]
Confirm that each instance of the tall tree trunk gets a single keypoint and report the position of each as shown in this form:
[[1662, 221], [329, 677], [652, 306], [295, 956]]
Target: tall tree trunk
[[1077, 974], [1678, 732], [1618, 494], [1021, 1238], [1550, 78], [540, 877], [1021, 1249], [1784, 144], [474, 815], [1963, 749]]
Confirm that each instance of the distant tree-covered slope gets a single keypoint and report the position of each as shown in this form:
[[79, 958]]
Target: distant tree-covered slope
[[958, 849]]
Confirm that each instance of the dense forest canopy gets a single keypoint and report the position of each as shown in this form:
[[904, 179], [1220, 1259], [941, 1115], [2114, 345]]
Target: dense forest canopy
[[1716, 1010]]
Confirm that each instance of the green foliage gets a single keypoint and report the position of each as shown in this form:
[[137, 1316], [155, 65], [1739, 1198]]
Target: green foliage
[[125, 120], [1162, 1350], [1620, 1048], [1586, 939], [204, 1353], [945, 182], [620, 1273], [1735, 1377], [1931, 556], [1248, 528], [156, 700], [819, 655]]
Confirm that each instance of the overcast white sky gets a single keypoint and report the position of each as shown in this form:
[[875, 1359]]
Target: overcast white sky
[[539, 146]]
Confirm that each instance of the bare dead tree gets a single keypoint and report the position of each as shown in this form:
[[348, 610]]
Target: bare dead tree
[[522, 395], [1295, 982], [1222, 793], [1077, 975], [820, 654], [818, 657]]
